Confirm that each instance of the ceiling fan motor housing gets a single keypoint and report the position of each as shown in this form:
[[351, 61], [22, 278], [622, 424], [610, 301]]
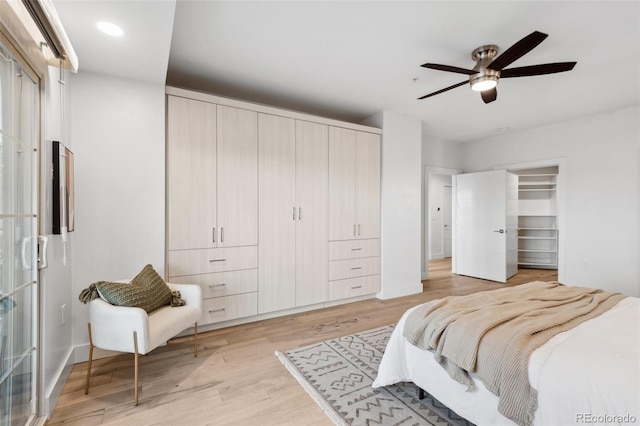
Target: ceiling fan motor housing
[[485, 78]]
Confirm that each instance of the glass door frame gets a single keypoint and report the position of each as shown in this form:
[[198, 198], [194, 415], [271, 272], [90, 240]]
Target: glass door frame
[[37, 78]]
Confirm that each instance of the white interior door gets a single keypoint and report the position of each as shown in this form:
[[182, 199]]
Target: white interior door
[[446, 220], [483, 233]]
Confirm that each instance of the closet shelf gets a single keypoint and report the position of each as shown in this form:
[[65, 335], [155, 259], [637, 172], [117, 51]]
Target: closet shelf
[[527, 237], [537, 229], [536, 251], [536, 189], [536, 264], [541, 182]]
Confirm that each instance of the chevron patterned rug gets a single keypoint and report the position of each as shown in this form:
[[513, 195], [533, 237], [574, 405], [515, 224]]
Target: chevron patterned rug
[[338, 375]]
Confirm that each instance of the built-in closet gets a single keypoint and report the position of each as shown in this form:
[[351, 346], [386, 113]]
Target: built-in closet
[[269, 211], [538, 232]]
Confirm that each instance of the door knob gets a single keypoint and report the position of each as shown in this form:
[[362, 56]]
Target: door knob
[[500, 231]]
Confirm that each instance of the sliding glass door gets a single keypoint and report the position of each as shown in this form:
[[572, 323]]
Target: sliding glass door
[[19, 95]]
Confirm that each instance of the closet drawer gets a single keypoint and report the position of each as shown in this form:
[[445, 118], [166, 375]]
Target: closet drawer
[[342, 289], [203, 261], [222, 283], [352, 249], [351, 268], [229, 307]]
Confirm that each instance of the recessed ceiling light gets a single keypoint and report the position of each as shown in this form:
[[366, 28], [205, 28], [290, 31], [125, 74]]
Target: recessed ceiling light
[[109, 28], [504, 129]]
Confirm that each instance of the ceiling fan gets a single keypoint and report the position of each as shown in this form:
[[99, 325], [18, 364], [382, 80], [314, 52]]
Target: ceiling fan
[[484, 76]]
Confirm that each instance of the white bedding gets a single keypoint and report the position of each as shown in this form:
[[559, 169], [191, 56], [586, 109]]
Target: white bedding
[[591, 370]]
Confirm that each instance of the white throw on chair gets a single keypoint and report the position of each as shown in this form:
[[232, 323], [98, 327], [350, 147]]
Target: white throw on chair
[[127, 329]]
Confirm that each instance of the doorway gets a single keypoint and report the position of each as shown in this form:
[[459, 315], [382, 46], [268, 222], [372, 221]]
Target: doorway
[[437, 214], [19, 146]]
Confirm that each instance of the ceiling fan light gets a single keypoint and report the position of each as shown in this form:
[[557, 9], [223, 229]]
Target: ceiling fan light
[[485, 82]]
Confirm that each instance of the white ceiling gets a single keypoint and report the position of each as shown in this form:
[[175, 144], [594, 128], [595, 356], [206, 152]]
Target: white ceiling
[[349, 60]]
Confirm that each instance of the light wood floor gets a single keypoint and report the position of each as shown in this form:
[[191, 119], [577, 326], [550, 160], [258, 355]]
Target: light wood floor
[[236, 378]]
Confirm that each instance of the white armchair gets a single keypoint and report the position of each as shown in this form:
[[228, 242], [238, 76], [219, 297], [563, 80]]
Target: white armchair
[[126, 329]]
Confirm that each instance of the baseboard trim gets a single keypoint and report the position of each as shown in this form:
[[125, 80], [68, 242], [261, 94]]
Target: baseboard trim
[[389, 292], [52, 394], [81, 353]]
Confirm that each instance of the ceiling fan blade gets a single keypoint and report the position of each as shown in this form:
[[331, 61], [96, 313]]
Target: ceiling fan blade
[[449, 68], [541, 69], [518, 50], [489, 95], [445, 89]]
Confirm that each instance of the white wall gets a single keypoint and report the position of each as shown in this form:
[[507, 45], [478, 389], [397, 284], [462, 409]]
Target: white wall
[[55, 280], [441, 154], [401, 203], [119, 146], [601, 191]]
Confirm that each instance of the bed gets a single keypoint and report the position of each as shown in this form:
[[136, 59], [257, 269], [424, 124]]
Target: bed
[[587, 374]]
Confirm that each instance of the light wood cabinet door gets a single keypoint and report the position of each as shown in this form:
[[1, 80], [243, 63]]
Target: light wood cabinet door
[[276, 265], [191, 173], [367, 185], [342, 181], [312, 192], [237, 141]]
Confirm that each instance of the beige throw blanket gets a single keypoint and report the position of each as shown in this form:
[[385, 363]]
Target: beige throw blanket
[[493, 333]]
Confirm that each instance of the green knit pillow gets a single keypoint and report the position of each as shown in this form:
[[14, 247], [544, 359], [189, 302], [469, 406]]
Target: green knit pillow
[[147, 291]]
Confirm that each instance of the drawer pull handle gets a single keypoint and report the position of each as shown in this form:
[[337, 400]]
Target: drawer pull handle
[[356, 249], [357, 267], [217, 260], [217, 285], [213, 311], [352, 288]]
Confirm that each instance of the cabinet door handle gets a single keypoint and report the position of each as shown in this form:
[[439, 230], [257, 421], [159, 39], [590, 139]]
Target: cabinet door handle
[[356, 249], [352, 288], [299, 213], [294, 213], [213, 311], [217, 260], [213, 233], [217, 285], [357, 267], [222, 234], [358, 229]]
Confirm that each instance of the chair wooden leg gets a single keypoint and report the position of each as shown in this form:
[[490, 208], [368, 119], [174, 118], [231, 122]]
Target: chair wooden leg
[[195, 340], [135, 354], [86, 386]]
